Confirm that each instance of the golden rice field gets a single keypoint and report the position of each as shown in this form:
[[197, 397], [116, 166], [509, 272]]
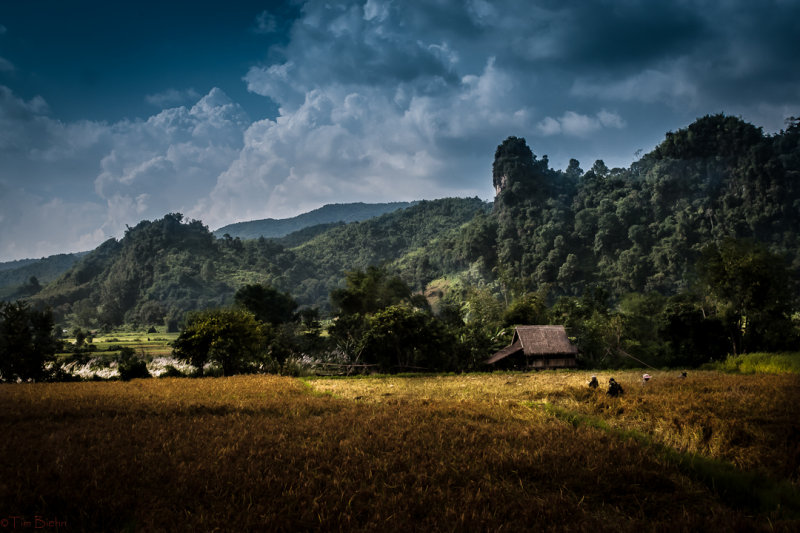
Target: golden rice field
[[446, 453]]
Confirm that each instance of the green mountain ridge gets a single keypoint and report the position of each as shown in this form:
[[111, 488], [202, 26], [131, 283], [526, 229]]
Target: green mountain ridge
[[327, 214], [16, 275], [19, 263], [607, 232], [161, 269]]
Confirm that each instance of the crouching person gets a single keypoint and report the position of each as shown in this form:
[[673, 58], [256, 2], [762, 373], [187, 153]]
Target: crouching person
[[614, 388]]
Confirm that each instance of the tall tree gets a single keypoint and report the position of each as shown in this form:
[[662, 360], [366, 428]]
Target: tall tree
[[232, 338], [751, 289], [27, 342], [402, 337]]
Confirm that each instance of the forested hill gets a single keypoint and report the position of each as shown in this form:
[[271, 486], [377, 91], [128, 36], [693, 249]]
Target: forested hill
[[606, 232], [13, 265], [327, 214], [623, 230], [20, 279], [15, 275], [643, 228], [161, 269]]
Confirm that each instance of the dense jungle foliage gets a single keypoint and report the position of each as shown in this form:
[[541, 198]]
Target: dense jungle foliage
[[690, 254]]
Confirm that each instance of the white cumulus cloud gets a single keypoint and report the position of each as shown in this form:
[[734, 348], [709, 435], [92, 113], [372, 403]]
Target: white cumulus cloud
[[109, 174], [670, 85], [349, 142]]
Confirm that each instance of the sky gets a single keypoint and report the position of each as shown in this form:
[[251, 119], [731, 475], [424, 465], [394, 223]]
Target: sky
[[115, 112]]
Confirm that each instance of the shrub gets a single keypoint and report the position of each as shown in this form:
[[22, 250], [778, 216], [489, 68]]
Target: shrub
[[762, 363], [172, 372], [130, 367], [133, 369], [293, 367]]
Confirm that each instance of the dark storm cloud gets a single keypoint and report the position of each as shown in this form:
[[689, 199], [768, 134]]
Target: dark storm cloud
[[629, 35], [755, 56], [733, 56], [379, 61]]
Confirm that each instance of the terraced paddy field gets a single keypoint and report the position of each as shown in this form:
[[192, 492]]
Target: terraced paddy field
[[474, 452]]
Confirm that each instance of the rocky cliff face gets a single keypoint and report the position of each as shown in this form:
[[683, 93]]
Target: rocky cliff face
[[500, 183]]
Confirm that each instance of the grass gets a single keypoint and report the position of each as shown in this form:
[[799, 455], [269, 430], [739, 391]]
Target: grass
[[749, 421], [743, 489], [431, 453], [762, 363]]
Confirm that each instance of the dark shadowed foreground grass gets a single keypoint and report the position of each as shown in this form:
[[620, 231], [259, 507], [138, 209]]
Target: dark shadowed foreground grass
[[400, 454]]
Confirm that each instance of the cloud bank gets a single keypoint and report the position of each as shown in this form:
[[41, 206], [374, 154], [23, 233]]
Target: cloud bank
[[108, 175]]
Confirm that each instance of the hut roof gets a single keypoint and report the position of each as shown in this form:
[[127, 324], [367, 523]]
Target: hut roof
[[541, 340], [537, 340]]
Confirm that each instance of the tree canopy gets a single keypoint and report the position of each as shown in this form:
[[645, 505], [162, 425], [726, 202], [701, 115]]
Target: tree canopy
[[231, 338], [27, 342], [266, 303]]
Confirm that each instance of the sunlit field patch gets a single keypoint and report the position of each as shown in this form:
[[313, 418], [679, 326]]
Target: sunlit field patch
[[749, 420], [390, 454]]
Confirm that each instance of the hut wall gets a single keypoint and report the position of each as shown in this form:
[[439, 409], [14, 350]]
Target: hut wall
[[558, 362]]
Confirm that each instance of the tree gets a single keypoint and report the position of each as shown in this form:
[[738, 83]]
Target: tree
[[266, 303], [27, 342], [482, 307], [347, 333], [527, 309], [598, 333], [407, 338], [600, 168], [574, 170], [369, 291], [232, 338], [80, 337], [751, 290], [691, 336]]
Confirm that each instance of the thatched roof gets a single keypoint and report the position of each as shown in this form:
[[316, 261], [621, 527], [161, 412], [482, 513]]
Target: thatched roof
[[537, 341]]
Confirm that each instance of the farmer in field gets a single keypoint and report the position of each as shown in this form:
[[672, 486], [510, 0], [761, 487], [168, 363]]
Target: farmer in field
[[614, 388], [593, 382]]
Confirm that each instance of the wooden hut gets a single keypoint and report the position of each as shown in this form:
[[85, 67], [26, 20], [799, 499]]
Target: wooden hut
[[537, 347]]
